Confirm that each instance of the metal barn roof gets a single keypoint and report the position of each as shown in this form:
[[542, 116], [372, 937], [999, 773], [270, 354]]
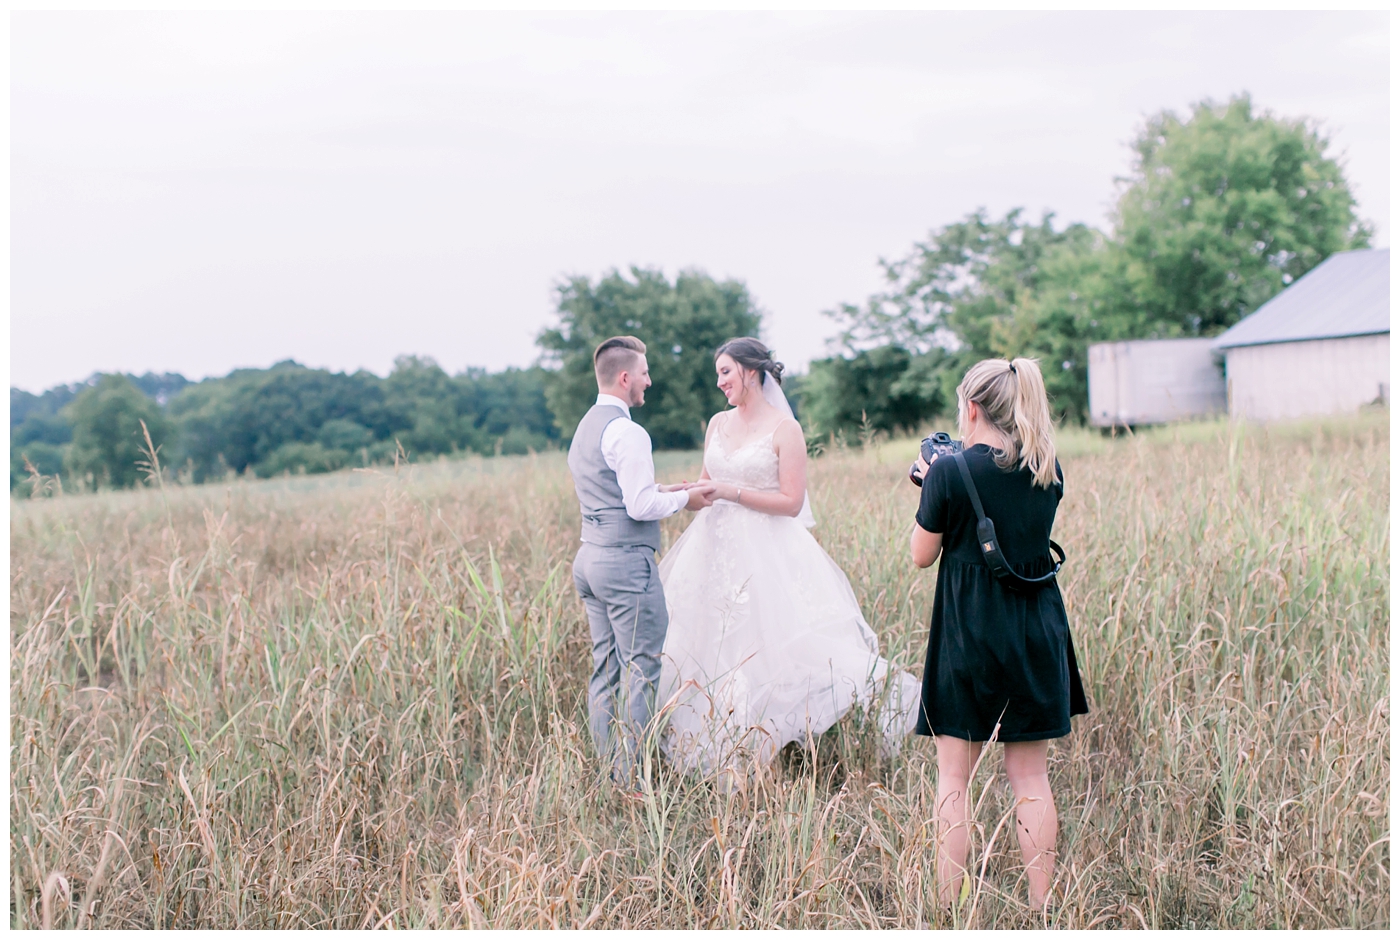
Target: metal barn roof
[[1346, 295]]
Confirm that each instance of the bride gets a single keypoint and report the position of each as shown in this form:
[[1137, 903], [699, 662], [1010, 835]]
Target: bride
[[766, 643]]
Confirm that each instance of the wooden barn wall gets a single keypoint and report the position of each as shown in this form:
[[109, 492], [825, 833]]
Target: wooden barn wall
[[1323, 376]]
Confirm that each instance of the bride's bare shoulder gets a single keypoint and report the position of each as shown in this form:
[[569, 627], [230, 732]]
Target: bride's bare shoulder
[[789, 431], [715, 423]]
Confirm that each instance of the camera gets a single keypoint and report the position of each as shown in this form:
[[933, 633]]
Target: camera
[[938, 444]]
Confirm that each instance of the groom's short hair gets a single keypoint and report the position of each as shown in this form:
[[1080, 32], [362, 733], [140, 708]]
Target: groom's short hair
[[614, 356]]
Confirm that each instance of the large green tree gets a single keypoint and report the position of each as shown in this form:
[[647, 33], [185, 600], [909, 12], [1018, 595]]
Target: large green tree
[[972, 289], [884, 389], [1224, 209], [960, 285], [682, 323], [108, 443]]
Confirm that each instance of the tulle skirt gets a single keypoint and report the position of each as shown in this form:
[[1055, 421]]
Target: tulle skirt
[[766, 645]]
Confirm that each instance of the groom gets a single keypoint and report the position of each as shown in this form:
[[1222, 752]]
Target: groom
[[615, 570]]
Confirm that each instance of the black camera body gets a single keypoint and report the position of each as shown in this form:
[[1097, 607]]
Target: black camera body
[[938, 444]]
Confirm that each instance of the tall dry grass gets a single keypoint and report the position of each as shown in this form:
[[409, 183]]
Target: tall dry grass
[[358, 701]]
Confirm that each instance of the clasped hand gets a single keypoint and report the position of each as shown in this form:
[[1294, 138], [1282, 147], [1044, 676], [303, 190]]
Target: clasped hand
[[702, 492]]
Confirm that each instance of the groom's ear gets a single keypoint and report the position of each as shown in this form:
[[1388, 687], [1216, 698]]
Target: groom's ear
[[627, 375]]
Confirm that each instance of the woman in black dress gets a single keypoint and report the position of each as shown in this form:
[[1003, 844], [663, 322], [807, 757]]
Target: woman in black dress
[[1000, 662]]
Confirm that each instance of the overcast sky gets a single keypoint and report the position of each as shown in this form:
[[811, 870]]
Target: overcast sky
[[196, 192]]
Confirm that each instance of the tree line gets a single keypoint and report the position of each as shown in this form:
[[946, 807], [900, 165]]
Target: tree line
[[264, 422], [1221, 210]]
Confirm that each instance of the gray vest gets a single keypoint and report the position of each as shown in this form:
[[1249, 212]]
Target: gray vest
[[605, 519]]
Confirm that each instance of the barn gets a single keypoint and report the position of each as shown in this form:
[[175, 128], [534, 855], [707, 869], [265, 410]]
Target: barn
[[1322, 346]]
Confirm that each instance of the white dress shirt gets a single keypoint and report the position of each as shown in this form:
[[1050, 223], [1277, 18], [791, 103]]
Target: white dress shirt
[[627, 452]]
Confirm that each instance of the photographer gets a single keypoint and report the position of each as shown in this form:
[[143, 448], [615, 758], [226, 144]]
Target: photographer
[[1000, 661]]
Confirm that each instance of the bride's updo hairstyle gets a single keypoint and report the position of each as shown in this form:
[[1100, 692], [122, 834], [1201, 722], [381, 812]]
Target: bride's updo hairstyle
[[1012, 398], [752, 354]]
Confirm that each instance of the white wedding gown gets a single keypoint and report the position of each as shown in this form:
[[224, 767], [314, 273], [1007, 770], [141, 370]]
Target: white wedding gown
[[766, 642]]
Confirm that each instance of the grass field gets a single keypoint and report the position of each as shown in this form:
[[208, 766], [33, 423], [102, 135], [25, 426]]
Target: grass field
[[357, 701]]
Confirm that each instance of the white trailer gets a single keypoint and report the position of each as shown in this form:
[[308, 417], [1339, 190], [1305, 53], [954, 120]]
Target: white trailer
[[1153, 381]]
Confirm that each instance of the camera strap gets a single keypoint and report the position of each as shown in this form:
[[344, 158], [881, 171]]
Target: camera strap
[[991, 548]]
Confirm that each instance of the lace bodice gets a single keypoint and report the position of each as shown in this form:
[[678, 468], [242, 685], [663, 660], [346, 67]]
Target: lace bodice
[[753, 465]]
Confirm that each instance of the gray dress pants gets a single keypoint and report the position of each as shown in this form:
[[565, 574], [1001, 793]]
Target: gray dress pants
[[621, 590]]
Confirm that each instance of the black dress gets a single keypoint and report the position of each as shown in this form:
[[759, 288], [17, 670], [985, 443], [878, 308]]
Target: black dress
[[994, 654]]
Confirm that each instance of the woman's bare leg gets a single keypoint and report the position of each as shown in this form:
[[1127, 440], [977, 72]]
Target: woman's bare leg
[[1037, 826], [955, 760]]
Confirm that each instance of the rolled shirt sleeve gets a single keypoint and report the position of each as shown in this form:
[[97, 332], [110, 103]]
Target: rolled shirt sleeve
[[627, 451]]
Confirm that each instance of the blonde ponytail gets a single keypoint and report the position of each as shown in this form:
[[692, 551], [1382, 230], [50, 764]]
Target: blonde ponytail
[[1030, 413], [1012, 397]]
